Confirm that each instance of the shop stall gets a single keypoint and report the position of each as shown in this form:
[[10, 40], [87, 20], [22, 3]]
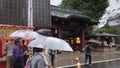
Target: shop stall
[[5, 31], [108, 41]]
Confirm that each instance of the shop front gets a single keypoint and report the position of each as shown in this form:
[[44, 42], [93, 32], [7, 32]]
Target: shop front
[[5, 31], [107, 41]]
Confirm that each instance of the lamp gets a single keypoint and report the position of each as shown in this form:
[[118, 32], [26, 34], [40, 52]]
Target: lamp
[[78, 40]]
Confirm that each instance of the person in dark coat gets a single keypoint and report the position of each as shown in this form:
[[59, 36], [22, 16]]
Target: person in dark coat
[[18, 54], [53, 55], [25, 50], [88, 48]]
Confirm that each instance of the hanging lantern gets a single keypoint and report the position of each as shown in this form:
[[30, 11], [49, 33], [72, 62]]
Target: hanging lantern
[[78, 40]]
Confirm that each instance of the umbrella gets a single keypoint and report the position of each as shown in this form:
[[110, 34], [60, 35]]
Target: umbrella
[[51, 43], [43, 30], [94, 41], [28, 34]]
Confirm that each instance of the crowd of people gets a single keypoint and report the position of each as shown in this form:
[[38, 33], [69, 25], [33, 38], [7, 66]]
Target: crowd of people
[[18, 57]]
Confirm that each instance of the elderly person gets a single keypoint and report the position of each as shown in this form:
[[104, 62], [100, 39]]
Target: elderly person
[[18, 54]]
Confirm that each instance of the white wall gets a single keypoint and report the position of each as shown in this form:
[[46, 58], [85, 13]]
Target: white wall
[[111, 11]]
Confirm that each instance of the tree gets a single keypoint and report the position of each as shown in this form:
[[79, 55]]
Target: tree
[[92, 8], [107, 29]]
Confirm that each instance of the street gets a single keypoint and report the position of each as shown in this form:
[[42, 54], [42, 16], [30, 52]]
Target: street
[[114, 63]]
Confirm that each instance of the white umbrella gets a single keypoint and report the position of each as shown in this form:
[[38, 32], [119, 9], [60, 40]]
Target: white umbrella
[[51, 43], [94, 41], [28, 34]]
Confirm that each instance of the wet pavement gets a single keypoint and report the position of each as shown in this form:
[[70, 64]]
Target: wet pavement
[[107, 64], [72, 58]]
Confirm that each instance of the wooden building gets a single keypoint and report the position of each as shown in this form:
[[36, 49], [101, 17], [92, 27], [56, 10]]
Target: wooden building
[[15, 12], [70, 25]]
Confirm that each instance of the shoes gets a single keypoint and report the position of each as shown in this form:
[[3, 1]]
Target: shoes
[[90, 64]]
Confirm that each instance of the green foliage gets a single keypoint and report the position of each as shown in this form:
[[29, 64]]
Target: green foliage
[[70, 4], [92, 8], [89, 31], [107, 29]]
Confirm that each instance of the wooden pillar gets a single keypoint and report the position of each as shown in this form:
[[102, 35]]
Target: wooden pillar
[[82, 39], [59, 33]]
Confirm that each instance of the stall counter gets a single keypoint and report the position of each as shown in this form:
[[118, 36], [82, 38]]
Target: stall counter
[[2, 63]]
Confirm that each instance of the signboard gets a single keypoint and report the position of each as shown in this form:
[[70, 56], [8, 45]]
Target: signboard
[[6, 30]]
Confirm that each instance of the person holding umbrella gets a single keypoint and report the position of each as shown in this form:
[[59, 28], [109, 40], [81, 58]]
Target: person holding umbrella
[[88, 48]]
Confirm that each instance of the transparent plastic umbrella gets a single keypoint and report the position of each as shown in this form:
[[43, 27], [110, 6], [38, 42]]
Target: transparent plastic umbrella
[[51, 43], [28, 34]]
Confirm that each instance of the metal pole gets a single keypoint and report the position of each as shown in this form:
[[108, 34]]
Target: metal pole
[[30, 13]]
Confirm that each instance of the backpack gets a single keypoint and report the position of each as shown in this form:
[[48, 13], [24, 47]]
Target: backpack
[[88, 49]]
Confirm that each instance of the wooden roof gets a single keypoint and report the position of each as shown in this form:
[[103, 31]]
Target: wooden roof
[[103, 35], [106, 34], [71, 14]]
